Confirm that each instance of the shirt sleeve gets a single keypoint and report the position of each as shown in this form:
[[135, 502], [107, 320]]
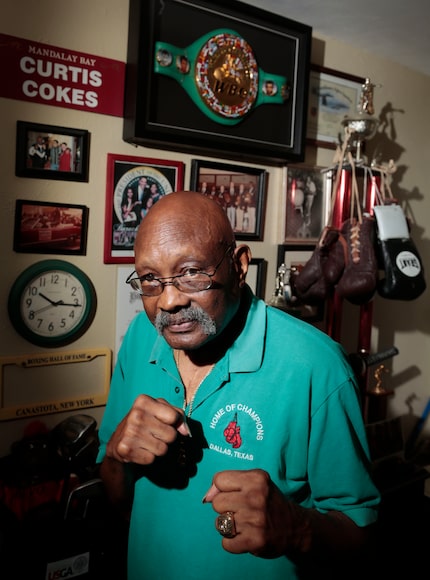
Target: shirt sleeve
[[343, 477]]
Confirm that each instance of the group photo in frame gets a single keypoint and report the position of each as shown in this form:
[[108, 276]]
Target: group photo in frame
[[233, 82], [333, 95], [51, 152], [291, 259], [133, 185], [239, 190], [43, 227], [308, 203]]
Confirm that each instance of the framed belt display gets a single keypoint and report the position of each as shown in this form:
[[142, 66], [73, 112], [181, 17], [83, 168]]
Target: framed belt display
[[224, 78]]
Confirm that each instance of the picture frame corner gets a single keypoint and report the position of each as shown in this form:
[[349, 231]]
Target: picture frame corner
[[257, 280]]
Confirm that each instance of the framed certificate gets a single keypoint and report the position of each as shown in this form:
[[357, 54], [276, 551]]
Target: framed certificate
[[232, 83], [333, 95]]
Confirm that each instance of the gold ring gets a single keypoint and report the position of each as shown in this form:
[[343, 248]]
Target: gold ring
[[225, 525]]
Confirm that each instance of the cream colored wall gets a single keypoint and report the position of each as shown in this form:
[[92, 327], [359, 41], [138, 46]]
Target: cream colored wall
[[100, 28]]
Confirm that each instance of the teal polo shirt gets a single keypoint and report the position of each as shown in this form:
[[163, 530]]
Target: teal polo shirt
[[283, 399]]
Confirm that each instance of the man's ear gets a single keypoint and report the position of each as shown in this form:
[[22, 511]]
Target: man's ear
[[242, 257]]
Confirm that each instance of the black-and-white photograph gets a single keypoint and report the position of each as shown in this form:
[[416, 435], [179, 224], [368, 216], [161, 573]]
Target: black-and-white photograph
[[308, 203], [239, 190]]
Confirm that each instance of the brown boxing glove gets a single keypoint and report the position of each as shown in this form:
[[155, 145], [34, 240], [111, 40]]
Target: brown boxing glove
[[360, 276], [314, 283]]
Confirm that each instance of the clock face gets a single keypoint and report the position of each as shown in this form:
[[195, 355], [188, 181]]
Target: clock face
[[52, 303]]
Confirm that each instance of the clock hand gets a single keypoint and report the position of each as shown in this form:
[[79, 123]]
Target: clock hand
[[48, 299], [58, 303], [44, 308]]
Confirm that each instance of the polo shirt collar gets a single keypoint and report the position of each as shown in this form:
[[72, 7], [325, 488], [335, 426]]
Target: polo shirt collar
[[246, 353]]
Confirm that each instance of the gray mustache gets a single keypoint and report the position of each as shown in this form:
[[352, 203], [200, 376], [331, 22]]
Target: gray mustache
[[164, 319]]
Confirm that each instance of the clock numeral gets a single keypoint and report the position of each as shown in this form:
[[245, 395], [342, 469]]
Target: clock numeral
[[31, 315], [28, 302], [63, 323], [33, 290], [55, 278]]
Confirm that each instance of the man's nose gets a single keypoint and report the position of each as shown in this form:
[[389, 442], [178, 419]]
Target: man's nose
[[171, 297]]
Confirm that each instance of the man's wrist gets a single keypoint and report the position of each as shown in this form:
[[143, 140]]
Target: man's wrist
[[299, 534]]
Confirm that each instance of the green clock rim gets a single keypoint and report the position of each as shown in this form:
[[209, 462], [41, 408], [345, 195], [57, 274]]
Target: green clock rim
[[35, 270]]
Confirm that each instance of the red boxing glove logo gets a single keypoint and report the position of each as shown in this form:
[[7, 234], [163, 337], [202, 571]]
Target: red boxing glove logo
[[232, 434]]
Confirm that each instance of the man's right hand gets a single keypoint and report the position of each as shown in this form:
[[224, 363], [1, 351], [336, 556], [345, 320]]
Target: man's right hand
[[146, 431]]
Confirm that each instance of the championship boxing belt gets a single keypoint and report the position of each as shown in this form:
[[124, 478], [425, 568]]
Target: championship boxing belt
[[221, 75]]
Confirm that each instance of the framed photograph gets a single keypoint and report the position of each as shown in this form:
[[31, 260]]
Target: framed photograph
[[291, 259], [51, 152], [256, 277], [308, 203], [333, 95], [133, 185], [240, 190], [42, 227], [232, 83]]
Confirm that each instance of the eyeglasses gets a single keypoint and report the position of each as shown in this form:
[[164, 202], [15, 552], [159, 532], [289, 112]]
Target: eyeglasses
[[193, 280]]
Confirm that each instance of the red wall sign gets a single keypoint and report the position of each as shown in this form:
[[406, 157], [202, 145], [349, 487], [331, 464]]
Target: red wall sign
[[54, 76]]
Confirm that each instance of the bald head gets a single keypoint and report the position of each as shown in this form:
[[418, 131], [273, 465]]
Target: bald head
[[185, 234], [185, 216]]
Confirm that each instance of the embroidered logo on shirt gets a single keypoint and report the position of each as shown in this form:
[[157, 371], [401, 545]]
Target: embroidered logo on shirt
[[240, 426], [232, 433]]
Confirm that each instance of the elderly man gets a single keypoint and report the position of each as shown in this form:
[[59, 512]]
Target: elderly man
[[233, 432]]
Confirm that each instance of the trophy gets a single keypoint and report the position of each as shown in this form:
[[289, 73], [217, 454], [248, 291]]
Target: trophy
[[362, 126], [278, 297], [377, 397], [283, 296]]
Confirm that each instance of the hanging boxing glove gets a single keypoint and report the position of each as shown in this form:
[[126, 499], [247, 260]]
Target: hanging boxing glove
[[398, 256], [315, 281], [360, 276]]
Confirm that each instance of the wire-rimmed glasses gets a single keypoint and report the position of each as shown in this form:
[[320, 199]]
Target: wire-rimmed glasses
[[192, 280]]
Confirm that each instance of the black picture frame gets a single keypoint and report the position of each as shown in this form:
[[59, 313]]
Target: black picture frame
[[43, 227], [256, 277], [333, 95], [159, 112], [124, 173], [38, 157], [246, 206]]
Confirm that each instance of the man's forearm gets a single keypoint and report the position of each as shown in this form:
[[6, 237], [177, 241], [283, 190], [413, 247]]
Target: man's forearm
[[118, 479], [327, 536]]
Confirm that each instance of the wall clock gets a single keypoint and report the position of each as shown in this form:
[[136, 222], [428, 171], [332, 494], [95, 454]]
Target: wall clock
[[52, 303]]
